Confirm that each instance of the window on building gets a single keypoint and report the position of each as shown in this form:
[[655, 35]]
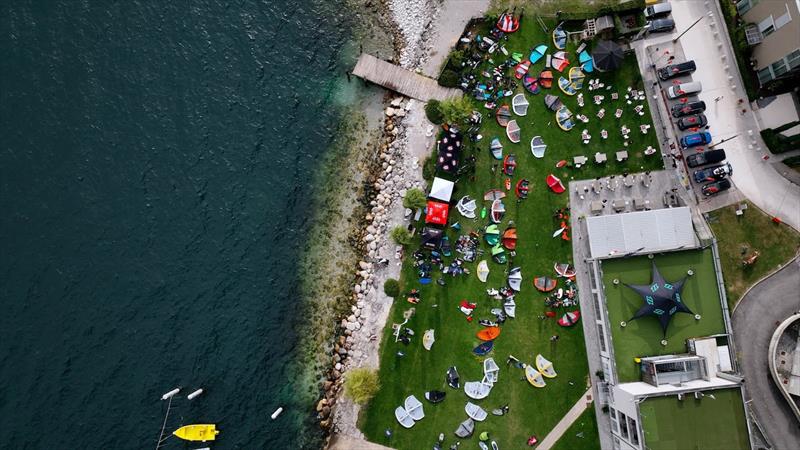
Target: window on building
[[634, 431], [783, 20], [779, 68], [596, 303], [623, 426], [601, 337], [793, 59], [767, 26], [764, 75], [745, 5], [614, 423]]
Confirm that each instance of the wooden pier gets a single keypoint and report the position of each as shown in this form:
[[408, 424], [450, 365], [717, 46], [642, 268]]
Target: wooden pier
[[400, 80]]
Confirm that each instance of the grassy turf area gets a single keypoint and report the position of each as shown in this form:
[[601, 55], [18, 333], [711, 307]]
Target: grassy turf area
[[739, 236], [579, 435], [532, 410], [642, 337], [708, 423]]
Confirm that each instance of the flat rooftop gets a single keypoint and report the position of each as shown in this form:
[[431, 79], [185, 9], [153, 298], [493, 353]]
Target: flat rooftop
[[642, 337], [707, 423], [641, 232]]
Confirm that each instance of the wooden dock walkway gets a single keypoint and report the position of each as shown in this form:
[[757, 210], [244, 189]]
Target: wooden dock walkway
[[400, 80]]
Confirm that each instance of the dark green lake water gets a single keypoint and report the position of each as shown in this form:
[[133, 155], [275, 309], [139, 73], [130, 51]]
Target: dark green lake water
[[154, 181]]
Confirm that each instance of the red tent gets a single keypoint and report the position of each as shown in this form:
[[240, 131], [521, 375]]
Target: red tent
[[437, 213], [555, 184]]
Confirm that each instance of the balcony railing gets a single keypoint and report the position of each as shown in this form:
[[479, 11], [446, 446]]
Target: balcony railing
[[753, 34]]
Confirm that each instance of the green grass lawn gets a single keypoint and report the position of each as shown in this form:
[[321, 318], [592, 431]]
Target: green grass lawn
[[532, 410], [739, 236], [642, 337], [708, 423], [579, 435]]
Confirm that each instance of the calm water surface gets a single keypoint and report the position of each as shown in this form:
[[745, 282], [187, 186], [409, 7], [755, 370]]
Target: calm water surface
[[154, 164]]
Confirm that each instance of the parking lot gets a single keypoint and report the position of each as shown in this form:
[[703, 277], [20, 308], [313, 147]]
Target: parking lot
[[667, 53]]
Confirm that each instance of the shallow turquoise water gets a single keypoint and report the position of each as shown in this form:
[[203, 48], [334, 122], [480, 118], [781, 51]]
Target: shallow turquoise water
[[153, 182]]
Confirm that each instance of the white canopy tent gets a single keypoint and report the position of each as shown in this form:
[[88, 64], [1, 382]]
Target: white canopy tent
[[441, 189], [641, 232]]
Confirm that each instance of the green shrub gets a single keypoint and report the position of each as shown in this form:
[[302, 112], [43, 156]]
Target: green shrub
[[433, 112], [793, 161], [429, 167], [581, 10], [361, 384], [414, 199], [457, 110], [742, 51], [448, 78], [391, 288], [401, 235], [778, 143], [455, 59]]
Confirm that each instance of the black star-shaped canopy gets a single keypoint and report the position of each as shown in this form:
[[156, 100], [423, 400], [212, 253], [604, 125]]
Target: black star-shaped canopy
[[661, 299]]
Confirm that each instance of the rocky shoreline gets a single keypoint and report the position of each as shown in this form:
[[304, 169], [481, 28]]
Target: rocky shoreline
[[391, 175], [387, 183], [406, 140]]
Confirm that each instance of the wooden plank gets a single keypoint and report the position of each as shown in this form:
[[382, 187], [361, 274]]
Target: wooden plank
[[400, 80]]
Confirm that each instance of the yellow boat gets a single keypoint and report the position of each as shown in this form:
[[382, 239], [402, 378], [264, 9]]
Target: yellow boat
[[197, 432]]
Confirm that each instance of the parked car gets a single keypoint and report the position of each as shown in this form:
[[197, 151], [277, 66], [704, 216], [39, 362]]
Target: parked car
[[660, 26], [695, 139], [657, 10], [684, 89], [716, 187], [713, 173], [695, 121], [706, 157], [676, 70], [687, 109]]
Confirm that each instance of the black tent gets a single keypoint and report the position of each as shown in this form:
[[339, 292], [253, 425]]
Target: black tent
[[661, 299], [607, 56], [431, 237], [449, 151]]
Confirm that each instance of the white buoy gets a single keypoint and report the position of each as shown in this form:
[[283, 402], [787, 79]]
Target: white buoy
[[277, 412], [170, 393], [194, 394]]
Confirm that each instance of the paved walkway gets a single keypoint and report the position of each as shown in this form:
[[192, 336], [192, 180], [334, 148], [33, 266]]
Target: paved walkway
[[453, 16], [754, 320], [569, 418], [341, 442]]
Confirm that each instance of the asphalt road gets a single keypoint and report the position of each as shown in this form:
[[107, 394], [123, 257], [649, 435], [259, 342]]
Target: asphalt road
[[754, 321]]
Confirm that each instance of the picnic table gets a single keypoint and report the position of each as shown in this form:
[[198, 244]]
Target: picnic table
[[600, 158], [580, 160], [640, 204], [628, 180], [622, 155], [596, 207], [619, 205]]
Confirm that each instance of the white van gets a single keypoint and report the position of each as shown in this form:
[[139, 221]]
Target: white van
[[684, 89], [657, 10]]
